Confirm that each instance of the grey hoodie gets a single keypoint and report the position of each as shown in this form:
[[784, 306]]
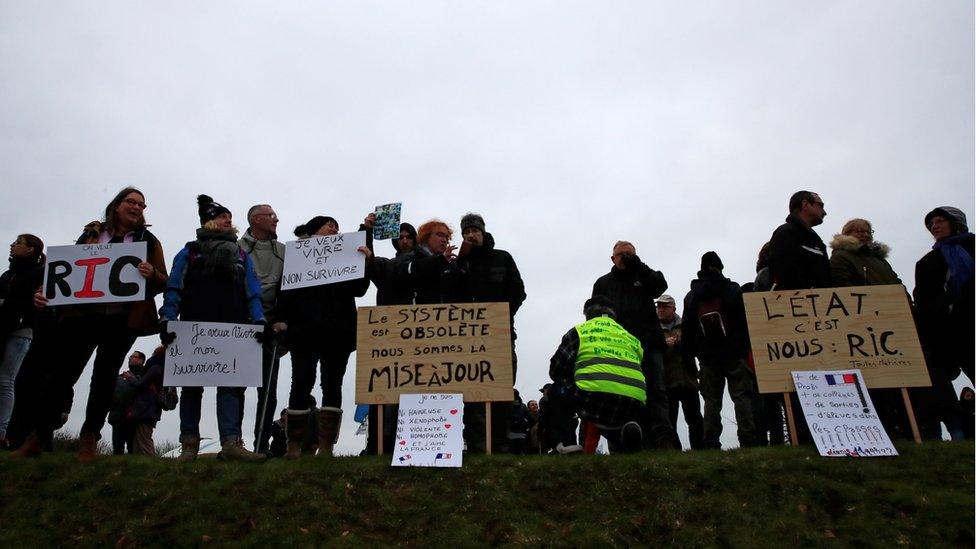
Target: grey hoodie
[[268, 257]]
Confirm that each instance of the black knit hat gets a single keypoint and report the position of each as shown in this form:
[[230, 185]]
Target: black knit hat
[[473, 220], [208, 209], [711, 259], [313, 225], [598, 305]]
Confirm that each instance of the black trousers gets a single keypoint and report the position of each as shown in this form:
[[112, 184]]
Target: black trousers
[[687, 399], [304, 364]]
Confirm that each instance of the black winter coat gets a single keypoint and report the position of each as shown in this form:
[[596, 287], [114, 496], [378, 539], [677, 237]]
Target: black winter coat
[[17, 287], [431, 277], [798, 257], [633, 291], [711, 285], [490, 275], [320, 317], [391, 288], [945, 323]]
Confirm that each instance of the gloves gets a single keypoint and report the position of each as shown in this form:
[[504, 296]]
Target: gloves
[[165, 336], [266, 335]]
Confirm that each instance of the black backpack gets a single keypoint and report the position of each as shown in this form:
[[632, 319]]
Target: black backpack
[[710, 320]]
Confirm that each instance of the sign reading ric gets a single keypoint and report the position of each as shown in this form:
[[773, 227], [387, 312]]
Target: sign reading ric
[[94, 273], [451, 347], [865, 327]]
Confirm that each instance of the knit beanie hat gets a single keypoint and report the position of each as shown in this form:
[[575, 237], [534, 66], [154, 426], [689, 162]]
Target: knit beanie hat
[[711, 259], [473, 220], [208, 209], [313, 225], [954, 215]]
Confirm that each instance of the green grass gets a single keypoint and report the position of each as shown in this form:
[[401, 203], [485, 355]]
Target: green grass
[[754, 497]]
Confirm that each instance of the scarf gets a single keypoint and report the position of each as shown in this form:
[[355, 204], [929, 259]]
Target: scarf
[[220, 252], [959, 261]]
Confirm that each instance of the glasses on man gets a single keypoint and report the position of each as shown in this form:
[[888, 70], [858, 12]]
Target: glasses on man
[[134, 202], [273, 216]]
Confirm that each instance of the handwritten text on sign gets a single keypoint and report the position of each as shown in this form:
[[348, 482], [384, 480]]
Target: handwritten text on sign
[[864, 327], [213, 354], [458, 347], [94, 273], [323, 260], [840, 414], [429, 431]]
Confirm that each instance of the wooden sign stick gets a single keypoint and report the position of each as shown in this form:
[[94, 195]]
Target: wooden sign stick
[[379, 429], [488, 427], [790, 422], [911, 415]]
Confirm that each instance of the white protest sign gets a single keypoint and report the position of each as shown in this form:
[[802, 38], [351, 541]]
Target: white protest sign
[[429, 431], [840, 414], [212, 354], [323, 260], [94, 273]]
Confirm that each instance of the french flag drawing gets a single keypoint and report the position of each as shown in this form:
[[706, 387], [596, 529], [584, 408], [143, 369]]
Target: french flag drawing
[[841, 379], [442, 456], [404, 458]]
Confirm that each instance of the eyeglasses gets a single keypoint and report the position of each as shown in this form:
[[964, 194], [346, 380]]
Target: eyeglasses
[[136, 203], [273, 216]]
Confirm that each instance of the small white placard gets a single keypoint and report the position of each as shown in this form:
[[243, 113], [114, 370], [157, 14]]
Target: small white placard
[[429, 431], [323, 260], [840, 414], [213, 354], [94, 273]]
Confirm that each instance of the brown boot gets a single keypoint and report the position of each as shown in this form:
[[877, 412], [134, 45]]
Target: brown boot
[[328, 429], [234, 450], [297, 427], [190, 447], [31, 448], [87, 447]]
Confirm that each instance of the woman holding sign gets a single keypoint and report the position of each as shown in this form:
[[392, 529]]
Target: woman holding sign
[[106, 329], [321, 333], [213, 280]]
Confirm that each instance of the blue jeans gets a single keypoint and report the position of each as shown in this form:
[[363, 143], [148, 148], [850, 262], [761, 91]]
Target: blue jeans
[[14, 350], [228, 412]]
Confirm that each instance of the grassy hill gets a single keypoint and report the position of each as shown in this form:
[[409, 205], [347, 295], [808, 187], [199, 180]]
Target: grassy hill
[[775, 496]]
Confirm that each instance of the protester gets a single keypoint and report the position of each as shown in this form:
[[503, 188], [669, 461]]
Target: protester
[[558, 420], [605, 373], [391, 289], [108, 330], [320, 330], [968, 405], [17, 315], [797, 255], [633, 286], [681, 378], [260, 242], [489, 275], [714, 330], [144, 409], [431, 269], [123, 428], [213, 280], [533, 408], [944, 298]]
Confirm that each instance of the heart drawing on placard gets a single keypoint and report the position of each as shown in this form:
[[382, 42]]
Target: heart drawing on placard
[[402, 442], [447, 425], [453, 412]]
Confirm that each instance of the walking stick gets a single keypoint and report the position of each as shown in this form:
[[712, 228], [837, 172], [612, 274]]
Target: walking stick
[[267, 382]]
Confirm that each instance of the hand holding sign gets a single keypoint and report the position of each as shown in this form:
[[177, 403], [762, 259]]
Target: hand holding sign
[[95, 273]]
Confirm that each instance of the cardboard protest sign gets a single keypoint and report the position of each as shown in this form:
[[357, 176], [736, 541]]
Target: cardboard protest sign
[[387, 221], [840, 414], [94, 273], [457, 347], [323, 260], [213, 354], [864, 327], [429, 431]]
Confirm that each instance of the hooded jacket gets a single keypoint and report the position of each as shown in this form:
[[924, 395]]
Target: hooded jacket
[[946, 322], [392, 289], [798, 257], [268, 257], [633, 291], [17, 287], [709, 286], [855, 264], [490, 275]]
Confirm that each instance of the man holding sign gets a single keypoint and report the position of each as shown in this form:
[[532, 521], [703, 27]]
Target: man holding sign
[[105, 309]]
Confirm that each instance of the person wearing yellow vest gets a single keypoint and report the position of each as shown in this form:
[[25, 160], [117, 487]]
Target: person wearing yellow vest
[[599, 362]]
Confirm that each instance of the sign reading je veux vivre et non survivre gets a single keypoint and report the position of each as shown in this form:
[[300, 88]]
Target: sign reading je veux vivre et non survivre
[[443, 348], [865, 327]]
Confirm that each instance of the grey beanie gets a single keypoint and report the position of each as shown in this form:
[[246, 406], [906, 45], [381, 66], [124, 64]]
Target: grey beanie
[[473, 220], [952, 214]]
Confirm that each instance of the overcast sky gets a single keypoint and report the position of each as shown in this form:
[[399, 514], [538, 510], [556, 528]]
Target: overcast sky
[[567, 125]]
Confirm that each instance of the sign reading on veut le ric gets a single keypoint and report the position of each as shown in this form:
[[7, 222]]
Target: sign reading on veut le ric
[[449, 347], [865, 327], [213, 354], [94, 273], [840, 414], [429, 431], [323, 260]]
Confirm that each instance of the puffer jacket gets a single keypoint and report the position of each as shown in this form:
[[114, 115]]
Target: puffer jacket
[[855, 264]]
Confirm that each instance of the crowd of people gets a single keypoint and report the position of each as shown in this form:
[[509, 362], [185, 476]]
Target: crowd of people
[[622, 374]]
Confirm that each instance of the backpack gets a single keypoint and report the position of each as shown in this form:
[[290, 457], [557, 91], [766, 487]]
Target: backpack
[[167, 398], [710, 320]]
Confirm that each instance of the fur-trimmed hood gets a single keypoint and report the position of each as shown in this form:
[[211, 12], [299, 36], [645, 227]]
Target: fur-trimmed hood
[[852, 244]]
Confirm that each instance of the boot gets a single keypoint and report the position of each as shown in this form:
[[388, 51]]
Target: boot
[[234, 450], [87, 447], [190, 447], [329, 421], [297, 427], [31, 448]]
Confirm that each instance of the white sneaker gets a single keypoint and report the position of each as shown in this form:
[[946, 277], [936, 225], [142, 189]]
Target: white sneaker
[[571, 449]]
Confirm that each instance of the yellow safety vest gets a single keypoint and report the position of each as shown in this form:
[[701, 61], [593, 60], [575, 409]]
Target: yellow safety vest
[[609, 360]]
